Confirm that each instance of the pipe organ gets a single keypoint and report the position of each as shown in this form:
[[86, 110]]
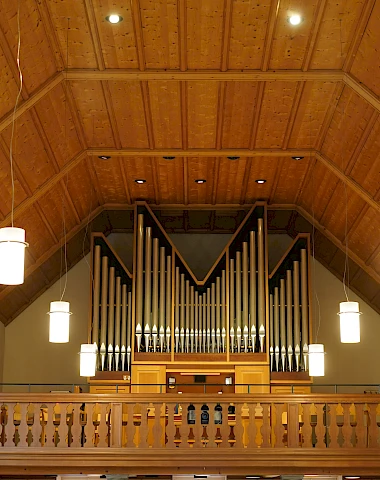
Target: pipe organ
[[238, 315]]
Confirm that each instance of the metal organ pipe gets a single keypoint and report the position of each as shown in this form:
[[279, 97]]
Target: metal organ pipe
[[196, 312], [276, 318], [147, 292], [245, 324], [223, 306], [96, 295], [168, 300], [271, 330], [289, 318], [282, 323], [161, 330], [103, 313], [111, 316], [213, 308], [204, 317], [261, 273], [182, 313], [192, 323], [208, 321], [176, 309], [187, 317], [154, 323], [124, 335], [139, 279], [232, 303], [305, 305], [117, 322], [252, 288], [218, 330], [238, 300], [296, 296]]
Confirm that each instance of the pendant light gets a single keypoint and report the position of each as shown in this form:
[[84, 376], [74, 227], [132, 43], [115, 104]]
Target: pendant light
[[87, 354], [349, 322], [12, 239], [59, 324]]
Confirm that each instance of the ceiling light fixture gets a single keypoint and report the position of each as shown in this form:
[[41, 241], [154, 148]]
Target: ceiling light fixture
[[168, 158], [298, 158], [104, 157], [88, 353], [260, 181], [200, 180], [140, 180], [114, 18], [233, 158], [295, 19]]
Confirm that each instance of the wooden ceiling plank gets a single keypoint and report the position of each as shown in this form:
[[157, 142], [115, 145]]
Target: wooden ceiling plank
[[256, 120], [137, 26], [358, 35], [227, 34], [95, 181], [51, 35], [220, 115], [70, 202], [247, 175], [215, 180], [372, 257], [349, 181], [276, 180], [125, 182], [355, 224], [362, 91], [313, 37], [206, 75], [32, 100], [111, 114], [329, 115], [325, 211], [293, 114], [16, 168], [184, 121], [200, 152], [148, 113], [94, 32], [74, 114], [156, 188], [359, 147], [185, 181], [44, 140], [182, 35], [275, 5], [45, 222]]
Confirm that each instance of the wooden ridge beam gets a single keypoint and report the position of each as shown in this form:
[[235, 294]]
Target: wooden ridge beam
[[199, 152], [362, 91], [212, 75]]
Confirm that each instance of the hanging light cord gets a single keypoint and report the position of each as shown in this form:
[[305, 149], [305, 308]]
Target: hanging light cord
[[14, 112]]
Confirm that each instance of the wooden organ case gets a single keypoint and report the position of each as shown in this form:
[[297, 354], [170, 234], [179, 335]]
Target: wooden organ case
[[240, 322]]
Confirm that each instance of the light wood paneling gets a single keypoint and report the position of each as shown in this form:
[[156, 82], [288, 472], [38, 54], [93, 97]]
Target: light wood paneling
[[255, 375], [365, 238], [170, 176], [148, 374], [201, 168], [8, 86], [81, 190], [290, 178], [202, 113], [110, 180], [231, 177], [139, 168]]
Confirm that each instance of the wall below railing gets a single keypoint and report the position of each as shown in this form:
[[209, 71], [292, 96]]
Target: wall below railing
[[223, 433]]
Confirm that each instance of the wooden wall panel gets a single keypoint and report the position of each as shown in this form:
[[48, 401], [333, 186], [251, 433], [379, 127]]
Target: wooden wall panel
[[32, 223], [261, 167], [80, 47], [204, 33], [202, 113], [8, 87], [29, 152], [289, 41], [81, 190], [170, 178], [200, 168], [334, 218], [290, 179], [375, 262], [315, 101], [166, 113], [238, 113], [37, 60], [338, 25], [230, 180], [365, 239], [347, 125], [248, 30], [57, 121], [139, 167], [366, 170], [6, 187], [128, 106], [318, 190], [110, 180], [117, 41], [275, 112], [93, 112], [365, 66], [160, 32]]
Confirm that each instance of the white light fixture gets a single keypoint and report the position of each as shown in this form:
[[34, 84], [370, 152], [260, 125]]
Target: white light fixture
[[349, 322], [114, 18], [295, 19], [228, 381], [12, 255], [88, 359], [59, 322], [316, 360]]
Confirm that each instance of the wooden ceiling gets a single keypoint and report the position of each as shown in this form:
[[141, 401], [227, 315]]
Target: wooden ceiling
[[199, 80]]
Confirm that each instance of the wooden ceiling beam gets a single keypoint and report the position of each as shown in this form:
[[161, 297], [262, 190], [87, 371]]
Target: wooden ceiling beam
[[314, 34], [111, 113], [69, 98], [94, 32], [156, 185], [329, 115], [182, 34], [185, 181], [206, 75], [198, 152], [275, 5], [137, 28], [125, 182], [227, 34], [362, 91]]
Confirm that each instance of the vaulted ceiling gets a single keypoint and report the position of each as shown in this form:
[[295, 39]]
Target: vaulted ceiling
[[200, 80]]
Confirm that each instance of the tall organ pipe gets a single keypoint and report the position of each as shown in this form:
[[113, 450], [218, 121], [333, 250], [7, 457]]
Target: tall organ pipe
[[304, 300], [182, 313], [111, 316], [296, 295], [176, 309], [168, 297], [162, 292], [238, 296], [148, 278], [289, 317], [129, 322], [218, 330], [261, 273], [282, 323], [192, 323], [196, 312], [117, 322], [252, 285], [156, 247], [187, 317], [204, 316], [232, 303], [208, 324], [96, 296], [276, 318], [271, 330], [139, 279], [213, 308], [125, 330], [245, 286], [103, 328], [224, 333]]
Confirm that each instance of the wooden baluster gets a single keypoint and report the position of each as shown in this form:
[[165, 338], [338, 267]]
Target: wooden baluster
[[9, 428], [88, 430], [346, 429], [171, 427], [76, 427], [333, 428], [137, 412], [50, 428], [36, 428], [29, 421], [212, 427], [320, 430], [182, 427], [116, 425], [279, 424], [373, 428], [293, 425], [224, 428], [102, 427], [306, 429], [353, 423], [360, 430], [16, 424], [23, 428], [130, 426], [157, 427], [252, 431], [63, 428], [239, 427], [144, 426], [266, 427]]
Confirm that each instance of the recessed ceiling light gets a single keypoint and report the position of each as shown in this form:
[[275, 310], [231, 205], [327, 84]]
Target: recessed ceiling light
[[297, 158], [168, 158], [104, 157], [260, 180], [295, 19], [140, 180], [179, 392], [114, 18], [253, 477], [351, 478], [233, 158], [200, 180]]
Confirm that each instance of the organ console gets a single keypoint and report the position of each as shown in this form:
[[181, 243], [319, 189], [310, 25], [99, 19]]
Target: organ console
[[238, 317]]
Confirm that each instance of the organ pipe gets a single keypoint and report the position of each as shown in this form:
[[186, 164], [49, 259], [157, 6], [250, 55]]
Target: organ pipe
[[245, 323], [117, 322], [176, 309], [187, 318], [111, 316], [162, 299], [196, 314], [271, 330], [282, 323], [168, 300], [129, 324], [238, 299], [213, 308], [276, 317], [223, 311], [154, 323], [182, 313], [232, 303], [139, 279], [289, 317], [103, 313], [208, 321], [304, 304], [252, 287], [96, 295], [261, 273], [218, 330], [124, 335], [192, 323], [148, 281]]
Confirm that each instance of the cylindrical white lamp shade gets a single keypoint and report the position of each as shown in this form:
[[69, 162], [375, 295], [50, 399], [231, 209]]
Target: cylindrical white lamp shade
[[59, 329], [12, 255], [349, 322], [316, 360], [88, 359]]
